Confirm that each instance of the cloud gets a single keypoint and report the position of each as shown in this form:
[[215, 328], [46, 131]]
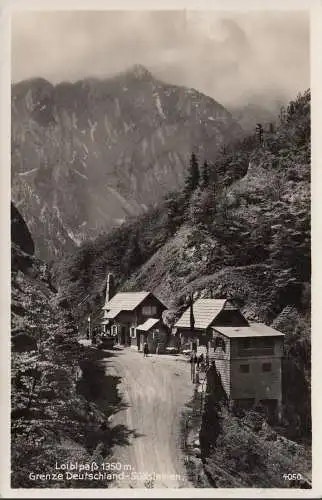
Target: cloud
[[225, 55]]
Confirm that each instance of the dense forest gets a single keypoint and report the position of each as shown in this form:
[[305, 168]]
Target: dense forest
[[53, 416], [239, 228]]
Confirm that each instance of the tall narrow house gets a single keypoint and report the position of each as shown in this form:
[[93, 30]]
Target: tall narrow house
[[248, 356], [249, 362]]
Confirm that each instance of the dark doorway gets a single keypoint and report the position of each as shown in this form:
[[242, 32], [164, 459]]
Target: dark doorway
[[123, 335], [270, 409]]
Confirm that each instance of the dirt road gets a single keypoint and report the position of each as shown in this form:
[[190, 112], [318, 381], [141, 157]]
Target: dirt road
[[154, 390]]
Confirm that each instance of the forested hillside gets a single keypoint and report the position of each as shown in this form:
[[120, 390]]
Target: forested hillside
[[51, 421], [239, 228]]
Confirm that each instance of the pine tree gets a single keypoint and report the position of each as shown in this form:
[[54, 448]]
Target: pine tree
[[282, 115], [205, 175], [172, 211], [215, 180], [193, 177], [259, 133], [133, 255]]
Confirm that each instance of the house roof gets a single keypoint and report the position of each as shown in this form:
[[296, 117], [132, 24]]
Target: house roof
[[125, 301], [148, 324], [112, 313], [204, 312], [253, 330]]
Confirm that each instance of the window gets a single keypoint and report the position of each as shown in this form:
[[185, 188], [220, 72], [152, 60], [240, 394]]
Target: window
[[149, 310], [244, 368], [267, 367], [244, 404], [245, 344], [256, 346], [133, 332], [219, 343], [114, 330], [265, 343]]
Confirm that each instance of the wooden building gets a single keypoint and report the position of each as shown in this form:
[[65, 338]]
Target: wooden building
[[247, 356], [126, 310], [195, 324], [155, 333], [248, 360]]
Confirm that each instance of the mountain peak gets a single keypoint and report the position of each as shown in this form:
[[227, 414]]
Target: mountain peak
[[140, 71]]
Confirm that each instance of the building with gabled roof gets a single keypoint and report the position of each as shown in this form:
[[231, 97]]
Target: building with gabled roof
[[125, 301], [154, 332], [124, 311], [205, 311], [194, 325]]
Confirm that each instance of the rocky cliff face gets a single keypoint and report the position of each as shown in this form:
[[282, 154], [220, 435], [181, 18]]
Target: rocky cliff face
[[88, 154], [20, 235]]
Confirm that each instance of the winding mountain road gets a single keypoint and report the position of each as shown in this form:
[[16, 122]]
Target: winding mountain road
[[154, 391]]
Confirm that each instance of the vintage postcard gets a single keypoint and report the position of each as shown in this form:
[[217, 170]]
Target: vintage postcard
[[160, 269]]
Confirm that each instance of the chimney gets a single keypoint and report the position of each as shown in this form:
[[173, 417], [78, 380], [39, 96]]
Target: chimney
[[109, 287]]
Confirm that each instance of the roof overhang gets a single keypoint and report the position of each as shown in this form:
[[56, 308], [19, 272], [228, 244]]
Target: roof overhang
[[257, 331], [196, 329], [148, 324]]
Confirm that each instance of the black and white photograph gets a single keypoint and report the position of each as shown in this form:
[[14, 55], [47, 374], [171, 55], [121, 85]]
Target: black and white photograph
[[160, 250]]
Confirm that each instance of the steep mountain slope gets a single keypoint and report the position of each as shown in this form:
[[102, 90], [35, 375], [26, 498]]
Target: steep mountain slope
[[243, 231], [256, 198], [88, 154]]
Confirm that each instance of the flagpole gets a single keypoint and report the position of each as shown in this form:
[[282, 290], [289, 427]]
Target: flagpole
[[192, 319]]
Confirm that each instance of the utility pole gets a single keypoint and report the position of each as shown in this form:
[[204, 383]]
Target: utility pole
[[79, 304], [89, 327]]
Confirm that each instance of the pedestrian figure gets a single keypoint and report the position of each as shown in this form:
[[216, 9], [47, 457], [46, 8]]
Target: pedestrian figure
[[191, 367], [193, 362], [207, 359], [201, 362], [145, 350]]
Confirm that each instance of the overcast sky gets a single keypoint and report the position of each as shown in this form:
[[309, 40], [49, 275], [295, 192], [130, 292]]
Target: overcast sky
[[224, 55]]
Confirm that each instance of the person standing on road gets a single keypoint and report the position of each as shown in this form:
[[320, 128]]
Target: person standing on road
[[145, 350], [200, 363], [193, 361], [207, 359]]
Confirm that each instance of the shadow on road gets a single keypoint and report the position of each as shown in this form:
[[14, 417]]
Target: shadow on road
[[102, 389], [99, 388], [120, 435]]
